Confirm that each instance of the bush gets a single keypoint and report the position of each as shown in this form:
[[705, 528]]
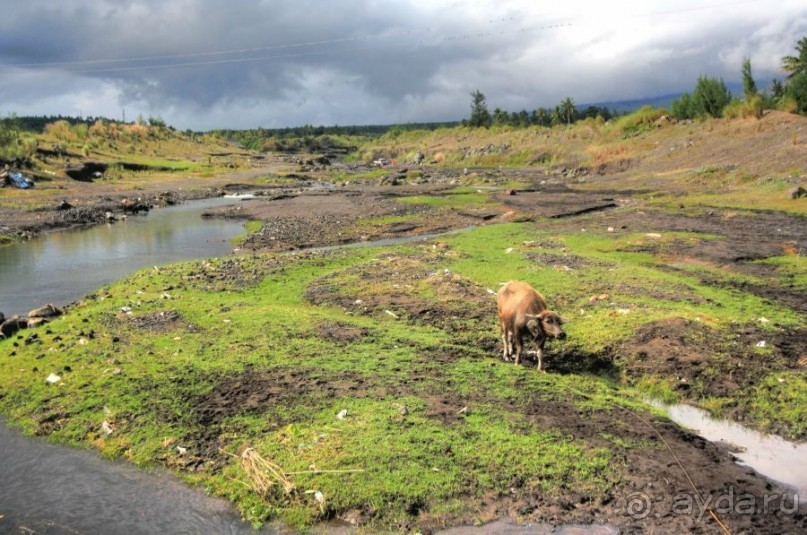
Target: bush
[[710, 96], [642, 119], [13, 144], [796, 89], [682, 107], [60, 130], [787, 104], [750, 107]]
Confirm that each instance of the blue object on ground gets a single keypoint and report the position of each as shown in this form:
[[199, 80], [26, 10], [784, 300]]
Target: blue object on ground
[[20, 181]]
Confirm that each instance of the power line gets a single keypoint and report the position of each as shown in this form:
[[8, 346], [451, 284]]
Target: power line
[[362, 42], [70, 66]]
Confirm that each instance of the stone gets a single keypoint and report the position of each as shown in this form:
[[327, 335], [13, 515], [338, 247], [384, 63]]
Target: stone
[[798, 193]]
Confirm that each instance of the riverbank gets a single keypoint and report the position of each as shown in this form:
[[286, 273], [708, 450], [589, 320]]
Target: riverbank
[[370, 379]]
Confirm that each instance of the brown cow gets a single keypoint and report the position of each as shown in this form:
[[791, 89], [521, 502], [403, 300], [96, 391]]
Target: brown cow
[[524, 312]]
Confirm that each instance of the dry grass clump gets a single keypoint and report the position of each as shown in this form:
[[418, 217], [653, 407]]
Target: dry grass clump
[[264, 474]]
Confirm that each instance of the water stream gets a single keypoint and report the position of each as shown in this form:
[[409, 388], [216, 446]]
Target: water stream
[[56, 490], [60, 267]]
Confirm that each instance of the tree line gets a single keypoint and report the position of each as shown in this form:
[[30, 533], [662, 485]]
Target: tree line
[[564, 113]]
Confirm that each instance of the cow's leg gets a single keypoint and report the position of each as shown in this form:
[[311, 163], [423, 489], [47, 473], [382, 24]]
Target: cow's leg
[[511, 346], [505, 346], [519, 348], [540, 354]]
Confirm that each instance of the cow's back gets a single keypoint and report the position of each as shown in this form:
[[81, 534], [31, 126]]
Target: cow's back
[[517, 297]]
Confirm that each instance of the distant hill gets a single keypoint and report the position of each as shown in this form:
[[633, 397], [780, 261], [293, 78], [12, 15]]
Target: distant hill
[[619, 107], [663, 101]]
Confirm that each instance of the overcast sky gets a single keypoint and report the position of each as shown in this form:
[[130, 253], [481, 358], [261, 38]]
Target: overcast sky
[[205, 64]]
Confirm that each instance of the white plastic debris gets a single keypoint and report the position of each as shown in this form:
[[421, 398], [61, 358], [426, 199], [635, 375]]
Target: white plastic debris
[[764, 320], [181, 450], [342, 414], [106, 428], [762, 343], [508, 250], [610, 229], [391, 313], [653, 235], [53, 378]]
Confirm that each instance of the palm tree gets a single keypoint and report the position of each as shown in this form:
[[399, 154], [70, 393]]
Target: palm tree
[[793, 65], [567, 110]]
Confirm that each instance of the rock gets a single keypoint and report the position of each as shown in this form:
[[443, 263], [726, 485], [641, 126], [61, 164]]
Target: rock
[[35, 322], [86, 172], [48, 311], [12, 325], [798, 193]]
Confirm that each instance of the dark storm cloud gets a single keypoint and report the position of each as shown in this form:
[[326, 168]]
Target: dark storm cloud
[[205, 63]]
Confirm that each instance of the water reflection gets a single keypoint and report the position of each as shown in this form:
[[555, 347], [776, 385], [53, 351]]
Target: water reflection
[[61, 267], [50, 489], [770, 455]]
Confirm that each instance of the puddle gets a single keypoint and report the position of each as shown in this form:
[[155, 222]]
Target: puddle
[[770, 455]]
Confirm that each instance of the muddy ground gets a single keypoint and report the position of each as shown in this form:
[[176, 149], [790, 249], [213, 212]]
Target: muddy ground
[[672, 459]]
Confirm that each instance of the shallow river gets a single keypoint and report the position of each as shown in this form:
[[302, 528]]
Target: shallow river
[[60, 267], [50, 489]]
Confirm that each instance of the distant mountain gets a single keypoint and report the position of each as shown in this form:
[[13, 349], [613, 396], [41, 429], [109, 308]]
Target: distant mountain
[[664, 101], [627, 106]]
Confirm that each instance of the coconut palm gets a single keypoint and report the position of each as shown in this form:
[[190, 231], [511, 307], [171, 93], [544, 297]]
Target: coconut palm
[[793, 65]]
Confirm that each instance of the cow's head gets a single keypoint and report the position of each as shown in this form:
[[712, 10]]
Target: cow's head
[[549, 322]]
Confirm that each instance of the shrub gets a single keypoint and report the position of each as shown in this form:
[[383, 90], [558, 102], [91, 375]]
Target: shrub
[[710, 96], [682, 107], [796, 89], [60, 130], [787, 104], [750, 107], [98, 129], [642, 119]]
